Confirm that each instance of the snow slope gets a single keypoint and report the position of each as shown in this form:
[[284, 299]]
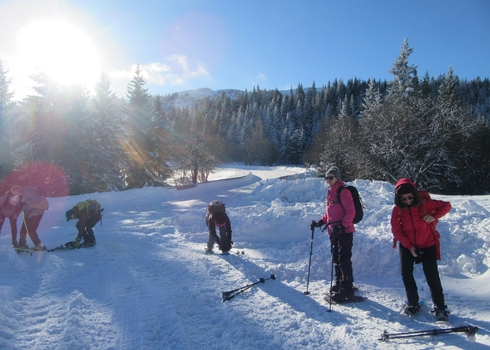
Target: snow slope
[[148, 284]]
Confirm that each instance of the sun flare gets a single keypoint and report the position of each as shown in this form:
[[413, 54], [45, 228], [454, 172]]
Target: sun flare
[[59, 49]]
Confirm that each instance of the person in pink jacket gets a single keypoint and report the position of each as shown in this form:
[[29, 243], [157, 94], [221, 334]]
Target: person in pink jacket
[[11, 207], [339, 218], [413, 224]]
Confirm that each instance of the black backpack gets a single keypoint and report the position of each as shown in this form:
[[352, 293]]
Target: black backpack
[[216, 206], [357, 202]]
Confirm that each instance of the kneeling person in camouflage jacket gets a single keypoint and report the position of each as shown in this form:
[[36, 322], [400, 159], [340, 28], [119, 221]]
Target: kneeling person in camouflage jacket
[[88, 214]]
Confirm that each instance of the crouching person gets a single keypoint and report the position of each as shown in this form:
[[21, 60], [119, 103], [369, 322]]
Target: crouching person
[[216, 218], [88, 214], [34, 208]]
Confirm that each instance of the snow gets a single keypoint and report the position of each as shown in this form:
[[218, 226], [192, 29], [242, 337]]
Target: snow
[[148, 284]]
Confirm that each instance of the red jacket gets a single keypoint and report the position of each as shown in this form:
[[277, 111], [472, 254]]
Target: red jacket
[[408, 226], [337, 213]]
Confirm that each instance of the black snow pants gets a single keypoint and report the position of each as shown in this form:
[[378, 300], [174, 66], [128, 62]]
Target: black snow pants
[[428, 258]]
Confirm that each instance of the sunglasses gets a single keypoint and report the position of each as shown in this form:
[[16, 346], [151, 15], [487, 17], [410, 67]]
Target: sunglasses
[[329, 178], [407, 198]]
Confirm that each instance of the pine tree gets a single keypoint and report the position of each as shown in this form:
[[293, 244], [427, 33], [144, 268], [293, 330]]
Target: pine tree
[[259, 150], [107, 118], [5, 93], [6, 161], [372, 99], [449, 88], [56, 129], [425, 86], [404, 74], [139, 148]]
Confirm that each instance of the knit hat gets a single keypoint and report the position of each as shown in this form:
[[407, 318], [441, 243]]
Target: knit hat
[[335, 172], [68, 215]]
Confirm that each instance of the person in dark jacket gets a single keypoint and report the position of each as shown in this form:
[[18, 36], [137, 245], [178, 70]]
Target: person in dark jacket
[[339, 219], [34, 208], [10, 207], [88, 214], [220, 221], [413, 224]]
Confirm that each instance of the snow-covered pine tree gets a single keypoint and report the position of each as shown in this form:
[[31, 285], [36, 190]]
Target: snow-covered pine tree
[[404, 74]]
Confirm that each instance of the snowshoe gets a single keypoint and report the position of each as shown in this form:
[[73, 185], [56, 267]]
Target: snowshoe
[[442, 315], [411, 310], [70, 245], [335, 289], [26, 249], [338, 298]]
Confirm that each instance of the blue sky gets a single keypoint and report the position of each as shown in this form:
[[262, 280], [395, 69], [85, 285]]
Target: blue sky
[[189, 44]]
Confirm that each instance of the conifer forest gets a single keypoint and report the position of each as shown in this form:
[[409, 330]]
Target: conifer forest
[[435, 130]]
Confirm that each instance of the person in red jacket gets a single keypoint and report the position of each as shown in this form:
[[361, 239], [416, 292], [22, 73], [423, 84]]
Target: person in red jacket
[[339, 219], [413, 224]]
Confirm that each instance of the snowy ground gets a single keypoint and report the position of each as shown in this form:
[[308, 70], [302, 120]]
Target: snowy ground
[[148, 284]]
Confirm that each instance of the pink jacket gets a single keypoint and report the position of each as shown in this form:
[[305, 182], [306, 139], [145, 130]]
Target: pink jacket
[[337, 213]]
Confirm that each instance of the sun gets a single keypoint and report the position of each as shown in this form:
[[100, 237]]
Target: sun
[[60, 50]]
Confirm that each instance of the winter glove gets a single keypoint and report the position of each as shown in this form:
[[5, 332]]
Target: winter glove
[[338, 229], [316, 224], [77, 242]]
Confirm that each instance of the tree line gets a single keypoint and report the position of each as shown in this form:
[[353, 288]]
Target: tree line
[[434, 130]]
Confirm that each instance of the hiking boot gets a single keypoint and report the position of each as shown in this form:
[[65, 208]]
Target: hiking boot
[[411, 309], [343, 298], [209, 251], [336, 289], [441, 314]]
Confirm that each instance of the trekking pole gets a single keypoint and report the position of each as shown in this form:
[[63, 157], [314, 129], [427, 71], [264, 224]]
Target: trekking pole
[[309, 264], [229, 295], [332, 246], [25, 225], [469, 330]]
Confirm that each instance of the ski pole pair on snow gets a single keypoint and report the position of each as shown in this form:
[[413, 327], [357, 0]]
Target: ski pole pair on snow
[[233, 293], [469, 330]]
